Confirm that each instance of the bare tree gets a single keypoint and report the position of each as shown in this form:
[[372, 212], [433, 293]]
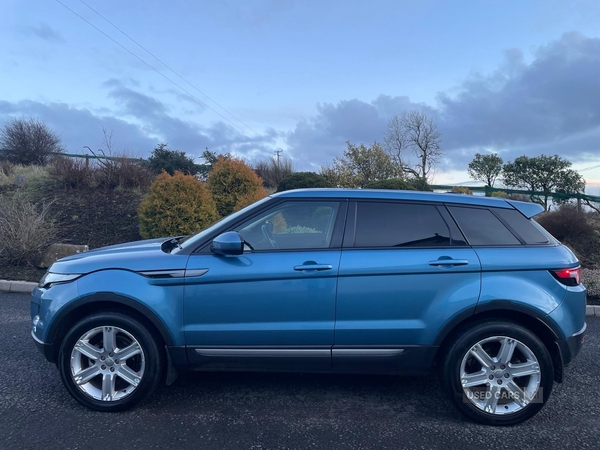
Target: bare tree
[[413, 130], [394, 140], [28, 141], [274, 170]]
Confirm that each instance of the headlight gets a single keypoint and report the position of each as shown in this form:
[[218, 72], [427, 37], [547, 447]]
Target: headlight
[[57, 278]]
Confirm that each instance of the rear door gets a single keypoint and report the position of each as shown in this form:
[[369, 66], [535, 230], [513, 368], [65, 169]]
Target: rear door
[[405, 272]]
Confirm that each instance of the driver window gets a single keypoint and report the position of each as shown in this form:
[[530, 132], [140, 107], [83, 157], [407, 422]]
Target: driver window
[[291, 226]]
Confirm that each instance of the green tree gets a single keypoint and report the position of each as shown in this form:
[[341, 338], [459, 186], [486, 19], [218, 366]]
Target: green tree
[[486, 168], [28, 141], [233, 185], [361, 165], [210, 158], [177, 205], [544, 173], [171, 161], [302, 180]]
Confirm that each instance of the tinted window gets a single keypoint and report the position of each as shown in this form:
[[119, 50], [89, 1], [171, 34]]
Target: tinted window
[[481, 227], [400, 225], [292, 225], [522, 226]]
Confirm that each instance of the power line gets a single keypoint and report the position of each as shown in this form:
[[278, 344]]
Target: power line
[[589, 168], [167, 66], [157, 71]]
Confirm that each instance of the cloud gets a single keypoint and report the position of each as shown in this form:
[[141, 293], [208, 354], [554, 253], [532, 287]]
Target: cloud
[[79, 127], [133, 102], [549, 105], [139, 123], [184, 135], [317, 140], [46, 32], [548, 102]]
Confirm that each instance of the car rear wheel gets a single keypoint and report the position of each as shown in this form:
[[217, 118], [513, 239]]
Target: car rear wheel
[[497, 373], [110, 362]]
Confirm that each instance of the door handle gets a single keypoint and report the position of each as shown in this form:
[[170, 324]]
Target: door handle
[[449, 262], [313, 267]]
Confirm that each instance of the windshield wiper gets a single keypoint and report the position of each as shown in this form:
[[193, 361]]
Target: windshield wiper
[[169, 245]]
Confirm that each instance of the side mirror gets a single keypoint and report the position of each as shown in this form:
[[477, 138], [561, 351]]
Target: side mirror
[[228, 244]]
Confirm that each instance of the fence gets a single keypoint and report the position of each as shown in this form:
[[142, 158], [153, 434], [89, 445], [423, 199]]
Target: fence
[[555, 195], [88, 157]]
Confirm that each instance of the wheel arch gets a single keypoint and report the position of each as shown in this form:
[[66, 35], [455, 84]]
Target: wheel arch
[[103, 301], [530, 319]]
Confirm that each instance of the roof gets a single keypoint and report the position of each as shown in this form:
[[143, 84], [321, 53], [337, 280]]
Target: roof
[[527, 209]]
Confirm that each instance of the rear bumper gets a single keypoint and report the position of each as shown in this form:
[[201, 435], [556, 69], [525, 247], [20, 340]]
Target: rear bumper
[[46, 349], [569, 348]]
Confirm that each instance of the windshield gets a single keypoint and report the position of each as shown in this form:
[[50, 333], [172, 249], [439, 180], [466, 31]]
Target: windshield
[[194, 239]]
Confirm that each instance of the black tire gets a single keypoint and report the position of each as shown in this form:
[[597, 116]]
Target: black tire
[[153, 357], [450, 370]]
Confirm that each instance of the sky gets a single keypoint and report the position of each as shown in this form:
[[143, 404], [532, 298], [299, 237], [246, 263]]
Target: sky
[[253, 76]]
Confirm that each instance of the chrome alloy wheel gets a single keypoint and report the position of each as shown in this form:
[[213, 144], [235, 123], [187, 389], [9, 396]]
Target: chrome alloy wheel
[[500, 375], [107, 363]]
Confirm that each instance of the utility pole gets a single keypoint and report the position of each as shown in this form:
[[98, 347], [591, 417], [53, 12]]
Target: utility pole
[[278, 152]]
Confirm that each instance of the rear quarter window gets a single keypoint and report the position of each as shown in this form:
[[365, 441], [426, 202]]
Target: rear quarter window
[[525, 228], [481, 227]]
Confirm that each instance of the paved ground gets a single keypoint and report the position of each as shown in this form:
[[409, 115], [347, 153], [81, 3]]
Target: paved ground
[[268, 411]]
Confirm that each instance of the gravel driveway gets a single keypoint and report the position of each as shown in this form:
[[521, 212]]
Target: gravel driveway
[[272, 411]]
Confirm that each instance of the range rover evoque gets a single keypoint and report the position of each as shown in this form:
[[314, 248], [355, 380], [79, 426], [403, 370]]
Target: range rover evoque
[[326, 280]]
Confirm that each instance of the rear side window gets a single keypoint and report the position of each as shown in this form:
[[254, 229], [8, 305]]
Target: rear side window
[[482, 227], [524, 227], [400, 225]]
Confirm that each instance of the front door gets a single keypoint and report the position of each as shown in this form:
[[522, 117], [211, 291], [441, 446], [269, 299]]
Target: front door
[[274, 306]]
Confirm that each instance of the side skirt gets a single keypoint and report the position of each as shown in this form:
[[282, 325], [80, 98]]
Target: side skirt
[[368, 359]]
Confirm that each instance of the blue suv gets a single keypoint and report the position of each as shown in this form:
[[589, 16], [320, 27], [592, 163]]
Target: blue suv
[[326, 280]]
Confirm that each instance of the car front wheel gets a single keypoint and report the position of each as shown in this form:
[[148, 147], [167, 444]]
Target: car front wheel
[[110, 362], [497, 373]]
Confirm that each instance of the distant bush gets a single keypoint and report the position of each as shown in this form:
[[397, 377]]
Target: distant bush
[[126, 173], [591, 280], [25, 229], [462, 190], [120, 172], [392, 183], [573, 227], [303, 180], [419, 183], [274, 170], [73, 173], [500, 194], [176, 205], [233, 184], [28, 141]]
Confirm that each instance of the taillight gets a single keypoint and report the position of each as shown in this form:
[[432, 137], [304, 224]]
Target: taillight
[[568, 277]]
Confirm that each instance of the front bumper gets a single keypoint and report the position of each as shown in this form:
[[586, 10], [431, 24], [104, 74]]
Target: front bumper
[[569, 348], [46, 349]]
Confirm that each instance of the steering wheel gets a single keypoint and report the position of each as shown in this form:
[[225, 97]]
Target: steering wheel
[[266, 231]]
